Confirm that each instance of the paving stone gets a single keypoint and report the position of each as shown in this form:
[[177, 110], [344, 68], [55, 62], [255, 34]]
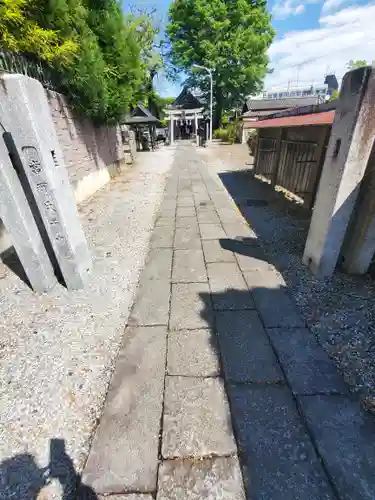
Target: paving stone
[[238, 229], [277, 308], [188, 222], [188, 266], [151, 306], [196, 418], [214, 252], [193, 353], [274, 304], [130, 496], [208, 479], [187, 238], [306, 364], [190, 306], [208, 217], [228, 288], [119, 461], [278, 458], [228, 214], [168, 204], [158, 264], [245, 349], [162, 237], [345, 436], [165, 220], [186, 211], [188, 201], [211, 231], [264, 277]]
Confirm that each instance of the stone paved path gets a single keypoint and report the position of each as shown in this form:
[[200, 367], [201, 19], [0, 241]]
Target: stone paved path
[[220, 390]]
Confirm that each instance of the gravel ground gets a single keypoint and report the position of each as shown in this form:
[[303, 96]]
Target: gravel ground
[[341, 310], [57, 351]]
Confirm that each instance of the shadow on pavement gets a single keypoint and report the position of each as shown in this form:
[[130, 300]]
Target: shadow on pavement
[[22, 478]]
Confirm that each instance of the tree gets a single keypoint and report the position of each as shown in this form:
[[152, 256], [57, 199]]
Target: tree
[[20, 31], [335, 95], [102, 56], [229, 36], [356, 64]]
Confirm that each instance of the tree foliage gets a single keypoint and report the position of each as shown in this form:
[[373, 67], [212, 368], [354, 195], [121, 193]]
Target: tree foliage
[[360, 63], [230, 37], [102, 55]]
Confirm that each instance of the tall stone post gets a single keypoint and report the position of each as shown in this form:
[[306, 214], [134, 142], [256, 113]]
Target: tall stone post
[[19, 222], [25, 114], [196, 129], [359, 244], [345, 164], [171, 135]]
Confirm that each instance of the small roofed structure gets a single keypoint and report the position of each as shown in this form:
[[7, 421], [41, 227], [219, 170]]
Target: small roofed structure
[[141, 121], [185, 116]]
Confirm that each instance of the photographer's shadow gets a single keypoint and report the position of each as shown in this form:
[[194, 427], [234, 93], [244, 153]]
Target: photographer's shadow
[[21, 477]]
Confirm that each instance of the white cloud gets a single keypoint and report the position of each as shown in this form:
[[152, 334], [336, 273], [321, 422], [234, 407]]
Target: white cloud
[[309, 54], [330, 5], [285, 8]]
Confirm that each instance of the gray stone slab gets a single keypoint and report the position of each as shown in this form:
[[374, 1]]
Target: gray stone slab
[[165, 220], [345, 436], [277, 308], [264, 277], [26, 115], [193, 353], [208, 479], [16, 215], [190, 306], [186, 211], [158, 265], [168, 204], [130, 496], [306, 364], [196, 418], [214, 252], [228, 214], [238, 230], [208, 217], [189, 266], [279, 460], [188, 201], [162, 237], [187, 222], [187, 238], [151, 306], [228, 287], [211, 231], [246, 352], [124, 453]]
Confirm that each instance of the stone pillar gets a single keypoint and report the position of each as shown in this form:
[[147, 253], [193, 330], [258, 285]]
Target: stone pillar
[[345, 164], [171, 136], [26, 115], [19, 221], [359, 244], [196, 129]]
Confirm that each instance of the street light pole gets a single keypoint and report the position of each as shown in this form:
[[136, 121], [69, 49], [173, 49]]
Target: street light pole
[[209, 71]]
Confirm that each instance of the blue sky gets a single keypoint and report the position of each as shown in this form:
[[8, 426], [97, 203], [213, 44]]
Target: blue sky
[[313, 37]]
